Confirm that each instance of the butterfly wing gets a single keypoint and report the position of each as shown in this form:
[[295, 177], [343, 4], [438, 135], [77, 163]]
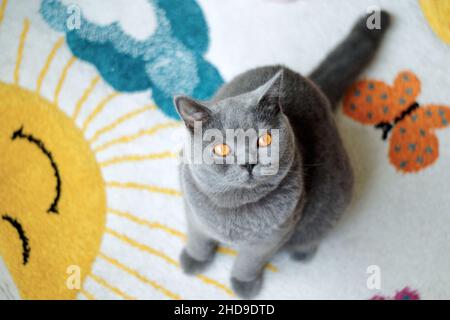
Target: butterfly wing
[[407, 87], [434, 116], [368, 102], [414, 145], [372, 102]]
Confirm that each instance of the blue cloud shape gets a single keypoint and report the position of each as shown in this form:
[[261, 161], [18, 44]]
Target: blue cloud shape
[[169, 62]]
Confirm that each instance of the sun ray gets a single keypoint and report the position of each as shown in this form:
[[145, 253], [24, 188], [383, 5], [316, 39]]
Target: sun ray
[[2, 10], [142, 247], [216, 284], [148, 224], [140, 277], [130, 115], [173, 232], [137, 158], [62, 79], [23, 36], [87, 294], [141, 133], [169, 260], [97, 110], [84, 97], [48, 62], [143, 187], [109, 286]]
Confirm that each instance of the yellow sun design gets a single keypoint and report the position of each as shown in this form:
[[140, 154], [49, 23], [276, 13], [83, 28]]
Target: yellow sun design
[[89, 180], [44, 160], [53, 203], [41, 171], [437, 12]]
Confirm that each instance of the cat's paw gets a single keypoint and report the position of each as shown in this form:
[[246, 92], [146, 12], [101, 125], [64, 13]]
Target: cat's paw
[[247, 289], [191, 265]]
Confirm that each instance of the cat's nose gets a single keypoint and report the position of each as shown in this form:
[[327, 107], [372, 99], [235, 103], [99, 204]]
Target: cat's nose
[[249, 167]]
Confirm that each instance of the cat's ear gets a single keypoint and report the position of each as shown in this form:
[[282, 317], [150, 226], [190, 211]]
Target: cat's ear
[[191, 110], [270, 95]]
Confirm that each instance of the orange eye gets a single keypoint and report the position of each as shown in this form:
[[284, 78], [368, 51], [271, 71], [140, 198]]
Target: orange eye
[[222, 150], [265, 140]]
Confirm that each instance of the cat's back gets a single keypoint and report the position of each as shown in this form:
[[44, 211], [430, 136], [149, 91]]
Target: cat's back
[[299, 96], [248, 81]]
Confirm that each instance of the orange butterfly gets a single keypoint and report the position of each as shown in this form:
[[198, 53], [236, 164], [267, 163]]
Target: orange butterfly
[[393, 109]]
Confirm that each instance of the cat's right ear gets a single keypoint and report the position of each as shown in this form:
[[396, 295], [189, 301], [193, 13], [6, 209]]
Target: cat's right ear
[[191, 110]]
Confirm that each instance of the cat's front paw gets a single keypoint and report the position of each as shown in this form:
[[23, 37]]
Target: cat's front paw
[[191, 265], [303, 255], [247, 289]]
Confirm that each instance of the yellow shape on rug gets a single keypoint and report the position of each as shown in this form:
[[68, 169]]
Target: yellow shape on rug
[[437, 12], [52, 196]]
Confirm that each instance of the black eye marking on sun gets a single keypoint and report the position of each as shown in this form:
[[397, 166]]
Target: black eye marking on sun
[[25, 243], [20, 135]]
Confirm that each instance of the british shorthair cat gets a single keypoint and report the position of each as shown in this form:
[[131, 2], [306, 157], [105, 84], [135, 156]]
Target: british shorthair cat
[[239, 204]]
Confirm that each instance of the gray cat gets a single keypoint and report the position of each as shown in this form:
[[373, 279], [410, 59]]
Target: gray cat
[[259, 214]]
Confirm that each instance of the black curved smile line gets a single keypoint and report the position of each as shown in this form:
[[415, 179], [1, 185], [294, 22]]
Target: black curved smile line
[[20, 135], [25, 243]]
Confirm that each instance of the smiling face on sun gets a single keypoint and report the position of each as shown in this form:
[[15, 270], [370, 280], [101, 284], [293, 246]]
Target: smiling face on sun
[[42, 232]]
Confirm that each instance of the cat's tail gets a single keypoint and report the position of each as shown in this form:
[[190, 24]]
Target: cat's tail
[[343, 65]]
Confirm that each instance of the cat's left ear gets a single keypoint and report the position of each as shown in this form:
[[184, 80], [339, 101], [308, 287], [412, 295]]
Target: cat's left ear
[[270, 99], [191, 110]]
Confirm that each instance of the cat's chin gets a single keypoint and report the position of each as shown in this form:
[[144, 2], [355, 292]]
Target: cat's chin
[[248, 181], [250, 184]]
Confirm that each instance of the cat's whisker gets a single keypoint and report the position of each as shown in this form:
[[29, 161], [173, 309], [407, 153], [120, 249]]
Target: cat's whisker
[[313, 165]]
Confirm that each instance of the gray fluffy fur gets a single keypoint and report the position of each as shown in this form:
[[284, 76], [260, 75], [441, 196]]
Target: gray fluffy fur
[[295, 208]]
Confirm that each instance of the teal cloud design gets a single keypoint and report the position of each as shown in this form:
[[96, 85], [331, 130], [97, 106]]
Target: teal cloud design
[[169, 62]]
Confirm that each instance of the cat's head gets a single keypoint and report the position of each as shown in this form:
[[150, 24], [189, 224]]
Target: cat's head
[[242, 142]]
